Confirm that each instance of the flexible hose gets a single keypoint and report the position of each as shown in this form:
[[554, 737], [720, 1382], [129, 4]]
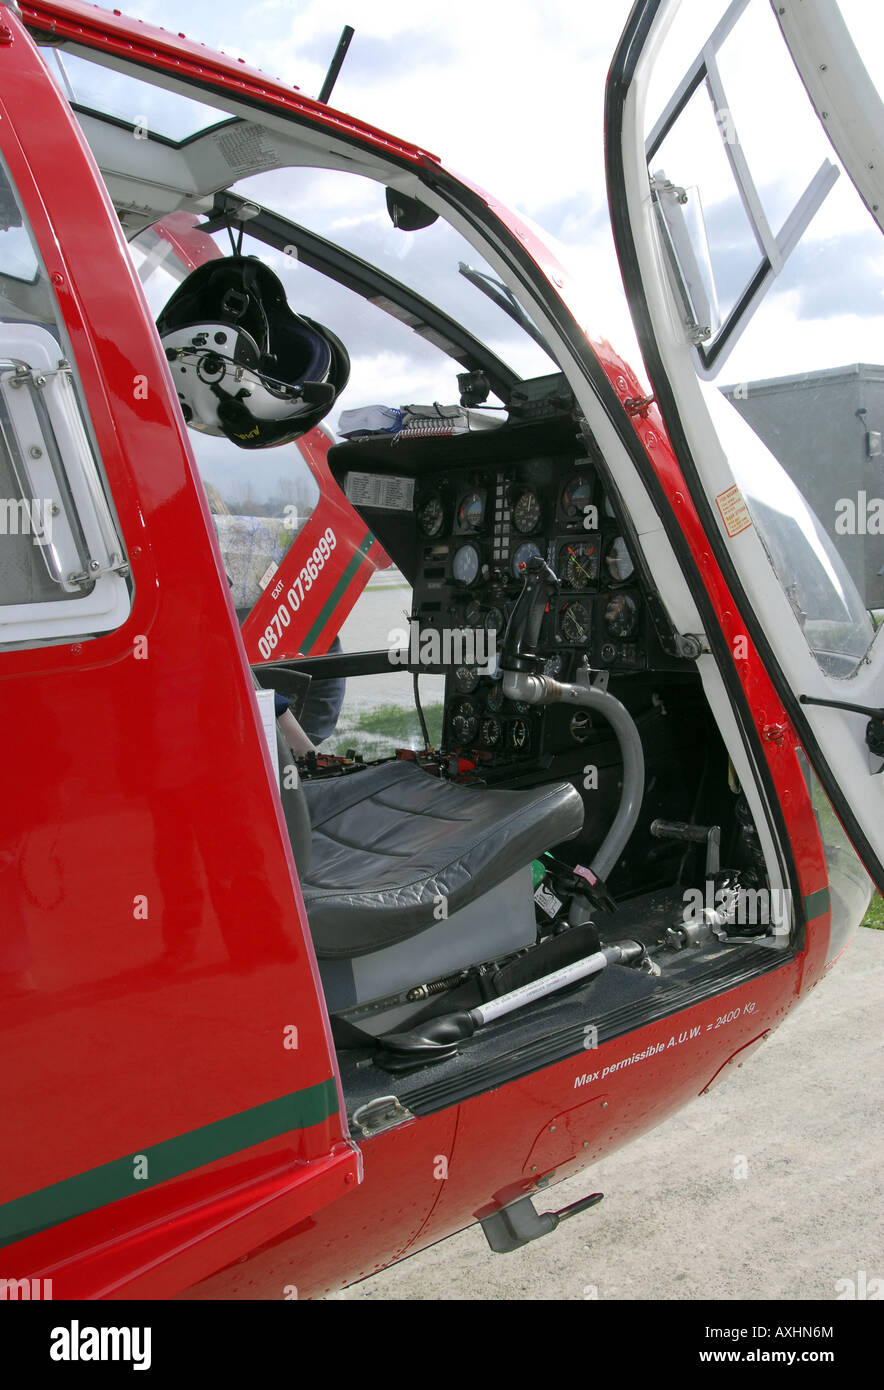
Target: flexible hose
[[533, 689]]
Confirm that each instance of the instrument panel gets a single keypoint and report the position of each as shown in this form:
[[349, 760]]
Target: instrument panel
[[478, 529], [479, 507]]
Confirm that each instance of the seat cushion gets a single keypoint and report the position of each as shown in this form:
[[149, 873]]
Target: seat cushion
[[388, 841]]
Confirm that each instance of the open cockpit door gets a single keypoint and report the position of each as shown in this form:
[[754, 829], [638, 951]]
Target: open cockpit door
[[745, 185], [159, 988]]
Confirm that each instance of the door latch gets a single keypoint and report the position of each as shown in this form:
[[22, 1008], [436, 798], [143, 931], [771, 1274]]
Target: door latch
[[382, 1113]]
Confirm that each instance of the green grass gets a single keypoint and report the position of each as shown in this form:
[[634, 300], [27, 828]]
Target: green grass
[[377, 732], [875, 915]]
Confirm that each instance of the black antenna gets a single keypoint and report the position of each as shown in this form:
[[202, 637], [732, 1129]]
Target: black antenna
[[331, 76]]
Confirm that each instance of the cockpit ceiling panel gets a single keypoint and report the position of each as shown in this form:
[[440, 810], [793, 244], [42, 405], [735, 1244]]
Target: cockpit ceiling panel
[[234, 148]]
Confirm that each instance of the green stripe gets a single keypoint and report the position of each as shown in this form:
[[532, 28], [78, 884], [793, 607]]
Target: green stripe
[[110, 1182], [815, 904], [337, 592]]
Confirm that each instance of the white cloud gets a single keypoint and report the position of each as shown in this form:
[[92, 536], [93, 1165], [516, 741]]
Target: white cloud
[[511, 94]]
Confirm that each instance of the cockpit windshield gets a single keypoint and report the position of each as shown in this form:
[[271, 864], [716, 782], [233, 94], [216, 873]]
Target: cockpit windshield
[[152, 112], [411, 323]]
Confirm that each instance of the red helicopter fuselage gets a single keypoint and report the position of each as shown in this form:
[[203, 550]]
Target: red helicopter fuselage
[[178, 1122]]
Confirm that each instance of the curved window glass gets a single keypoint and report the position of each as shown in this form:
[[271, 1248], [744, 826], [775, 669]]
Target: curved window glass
[[813, 574], [63, 570], [778, 265]]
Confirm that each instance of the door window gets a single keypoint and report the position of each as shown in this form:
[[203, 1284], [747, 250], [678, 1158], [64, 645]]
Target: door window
[[777, 267], [63, 570]]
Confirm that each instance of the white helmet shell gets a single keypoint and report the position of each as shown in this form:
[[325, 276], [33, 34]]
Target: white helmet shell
[[244, 365]]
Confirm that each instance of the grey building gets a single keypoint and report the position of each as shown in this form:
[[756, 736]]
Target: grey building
[[826, 430]]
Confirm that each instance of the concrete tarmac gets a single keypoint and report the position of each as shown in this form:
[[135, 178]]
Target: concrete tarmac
[[802, 1121]]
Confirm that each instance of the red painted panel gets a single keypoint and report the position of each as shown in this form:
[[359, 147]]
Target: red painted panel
[[172, 1236], [350, 1240], [505, 1140], [129, 1033], [150, 905]]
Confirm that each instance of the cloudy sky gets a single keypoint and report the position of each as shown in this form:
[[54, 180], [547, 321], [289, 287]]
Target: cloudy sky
[[511, 93]]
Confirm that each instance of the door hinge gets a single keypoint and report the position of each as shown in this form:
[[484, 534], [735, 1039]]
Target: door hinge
[[385, 1112], [95, 571]]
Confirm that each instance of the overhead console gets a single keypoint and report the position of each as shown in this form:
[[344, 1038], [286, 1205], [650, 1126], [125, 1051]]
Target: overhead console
[[462, 515]]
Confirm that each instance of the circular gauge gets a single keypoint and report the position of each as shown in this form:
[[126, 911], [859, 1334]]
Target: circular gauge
[[520, 706], [576, 623], [579, 564], [472, 614], [577, 495], [465, 565], [495, 697], [431, 515], [618, 561], [526, 512], [554, 666], [490, 732], [466, 678], [523, 555], [470, 511], [621, 615], [519, 735], [464, 722], [494, 620], [581, 726]]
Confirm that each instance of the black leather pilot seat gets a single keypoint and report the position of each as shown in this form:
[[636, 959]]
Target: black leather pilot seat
[[411, 878]]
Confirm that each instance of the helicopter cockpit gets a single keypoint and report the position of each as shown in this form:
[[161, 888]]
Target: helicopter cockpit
[[572, 766], [530, 809]]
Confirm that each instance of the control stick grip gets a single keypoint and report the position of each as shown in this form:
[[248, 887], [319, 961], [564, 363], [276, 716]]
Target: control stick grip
[[519, 651]]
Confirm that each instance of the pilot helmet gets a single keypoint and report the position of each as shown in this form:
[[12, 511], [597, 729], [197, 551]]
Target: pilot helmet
[[244, 365]]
